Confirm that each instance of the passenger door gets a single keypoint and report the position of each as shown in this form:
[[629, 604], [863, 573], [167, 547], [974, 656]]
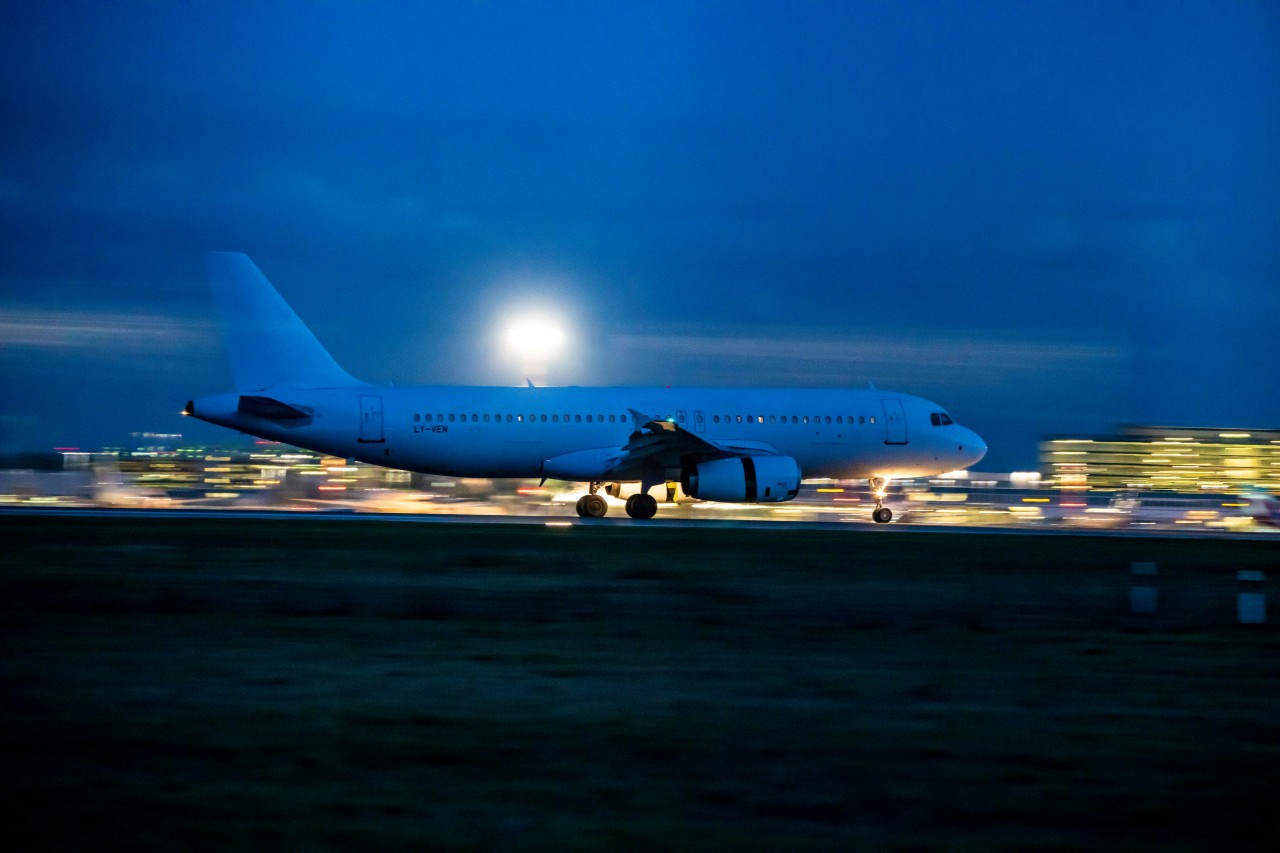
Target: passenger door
[[895, 422], [370, 419]]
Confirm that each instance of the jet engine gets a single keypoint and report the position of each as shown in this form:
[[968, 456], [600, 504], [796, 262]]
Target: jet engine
[[743, 479]]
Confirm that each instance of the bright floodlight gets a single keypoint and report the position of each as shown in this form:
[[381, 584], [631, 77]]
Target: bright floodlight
[[535, 336]]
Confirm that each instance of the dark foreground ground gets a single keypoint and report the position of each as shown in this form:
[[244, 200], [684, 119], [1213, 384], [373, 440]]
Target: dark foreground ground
[[287, 684]]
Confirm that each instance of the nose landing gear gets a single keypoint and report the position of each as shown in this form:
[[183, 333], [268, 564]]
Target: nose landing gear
[[882, 513]]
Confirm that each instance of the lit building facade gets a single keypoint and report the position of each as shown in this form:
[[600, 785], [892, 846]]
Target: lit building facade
[[1181, 459]]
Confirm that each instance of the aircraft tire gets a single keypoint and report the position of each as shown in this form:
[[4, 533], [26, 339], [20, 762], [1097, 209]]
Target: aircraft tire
[[582, 512], [642, 506], [593, 506], [882, 515]]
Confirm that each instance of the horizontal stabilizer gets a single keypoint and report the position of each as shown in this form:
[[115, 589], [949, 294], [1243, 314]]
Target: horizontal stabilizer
[[265, 407]]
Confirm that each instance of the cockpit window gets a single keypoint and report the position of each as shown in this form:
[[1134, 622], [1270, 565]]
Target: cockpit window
[[940, 419]]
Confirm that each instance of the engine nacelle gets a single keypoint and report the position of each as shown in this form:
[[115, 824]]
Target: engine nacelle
[[743, 479]]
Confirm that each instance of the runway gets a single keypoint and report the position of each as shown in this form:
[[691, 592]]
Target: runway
[[571, 521]]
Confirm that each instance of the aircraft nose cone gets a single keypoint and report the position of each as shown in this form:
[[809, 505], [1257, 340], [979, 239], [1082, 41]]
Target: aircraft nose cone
[[973, 448]]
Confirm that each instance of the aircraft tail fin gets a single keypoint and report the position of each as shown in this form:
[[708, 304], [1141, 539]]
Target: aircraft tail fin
[[267, 344]]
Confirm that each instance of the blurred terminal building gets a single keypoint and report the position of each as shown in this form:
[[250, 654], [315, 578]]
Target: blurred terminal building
[[158, 469], [1176, 459], [1137, 458]]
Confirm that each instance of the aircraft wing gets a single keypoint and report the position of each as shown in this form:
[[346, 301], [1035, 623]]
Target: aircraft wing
[[656, 447], [663, 443]]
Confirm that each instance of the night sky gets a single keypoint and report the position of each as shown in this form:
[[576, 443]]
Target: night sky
[[1048, 217]]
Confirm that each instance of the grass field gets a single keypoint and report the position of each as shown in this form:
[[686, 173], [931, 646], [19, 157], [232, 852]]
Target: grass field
[[286, 684]]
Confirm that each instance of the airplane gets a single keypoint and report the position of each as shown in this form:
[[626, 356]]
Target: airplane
[[741, 445]]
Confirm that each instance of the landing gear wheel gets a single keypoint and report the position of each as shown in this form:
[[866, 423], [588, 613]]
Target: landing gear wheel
[[642, 506], [882, 515], [592, 506]]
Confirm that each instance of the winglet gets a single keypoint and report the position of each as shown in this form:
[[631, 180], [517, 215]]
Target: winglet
[[530, 381]]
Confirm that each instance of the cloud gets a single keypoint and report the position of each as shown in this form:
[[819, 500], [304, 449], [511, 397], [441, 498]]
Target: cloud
[[919, 356], [113, 333]]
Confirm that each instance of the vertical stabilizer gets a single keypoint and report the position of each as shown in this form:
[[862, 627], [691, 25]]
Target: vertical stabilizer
[[267, 344]]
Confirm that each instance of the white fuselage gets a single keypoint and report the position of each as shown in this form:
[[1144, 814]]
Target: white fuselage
[[517, 432]]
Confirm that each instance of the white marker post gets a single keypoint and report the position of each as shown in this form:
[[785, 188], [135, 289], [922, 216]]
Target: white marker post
[[1251, 601], [1142, 593]]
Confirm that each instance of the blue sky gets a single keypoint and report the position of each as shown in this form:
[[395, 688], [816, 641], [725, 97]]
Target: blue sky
[[1049, 217]]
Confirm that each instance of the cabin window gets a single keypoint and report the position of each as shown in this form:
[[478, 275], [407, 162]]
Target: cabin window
[[873, 419], [542, 418], [452, 417], [862, 419], [475, 419], [611, 418], [416, 417], [839, 419], [828, 419], [771, 419]]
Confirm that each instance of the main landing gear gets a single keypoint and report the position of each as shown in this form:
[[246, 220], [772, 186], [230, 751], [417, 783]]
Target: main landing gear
[[640, 506], [592, 506], [882, 514]]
